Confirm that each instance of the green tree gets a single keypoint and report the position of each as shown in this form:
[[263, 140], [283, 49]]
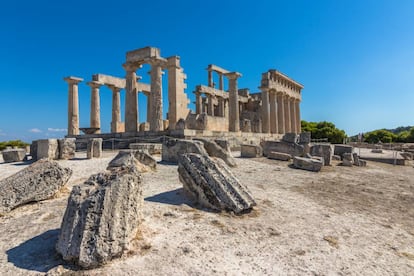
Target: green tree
[[382, 135], [12, 143], [322, 130]]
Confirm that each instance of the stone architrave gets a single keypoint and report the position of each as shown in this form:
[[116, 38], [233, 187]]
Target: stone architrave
[[73, 105], [131, 98], [155, 120], [273, 112], [265, 111], [116, 109], [95, 105], [234, 121]]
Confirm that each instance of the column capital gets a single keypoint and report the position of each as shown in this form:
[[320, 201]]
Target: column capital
[[157, 62], [72, 80], [233, 75], [131, 66], [114, 88], [94, 84]]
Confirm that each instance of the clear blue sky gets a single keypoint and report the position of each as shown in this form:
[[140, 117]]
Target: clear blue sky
[[355, 58]]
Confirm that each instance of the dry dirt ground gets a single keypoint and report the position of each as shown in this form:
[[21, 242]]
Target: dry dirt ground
[[340, 221]]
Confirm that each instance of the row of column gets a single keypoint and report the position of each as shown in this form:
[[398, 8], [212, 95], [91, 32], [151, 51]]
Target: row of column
[[280, 113], [221, 110], [211, 82]]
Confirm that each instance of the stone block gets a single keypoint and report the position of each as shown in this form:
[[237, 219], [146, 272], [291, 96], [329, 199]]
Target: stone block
[[214, 150], [144, 126], [290, 137], [211, 183], [323, 150], [251, 151], [13, 155], [180, 125], [223, 143], [67, 148], [94, 148], [33, 150], [283, 147], [347, 159], [406, 155], [40, 181], [376, 150], [336, 157], [362, 163], [151, 148], [127, 159], [102, 218], [304, 138], [279, 156], [340, 149], [308, 164], [173, 148], [47, 148]]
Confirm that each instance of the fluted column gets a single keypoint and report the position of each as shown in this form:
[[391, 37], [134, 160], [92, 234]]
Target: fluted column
[[292, 115], [210, 78], [131, 98], [116, 109], [265, 111], [273, 112], [210, 105], [221, 82], [287, 113], [280, 113], [95, 116], [221, 107], [199, 103], [234, 119], [156, 122], [298, 122], [73, 105]]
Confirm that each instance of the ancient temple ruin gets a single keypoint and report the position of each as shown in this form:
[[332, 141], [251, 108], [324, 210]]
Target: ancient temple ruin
[[269, 112]]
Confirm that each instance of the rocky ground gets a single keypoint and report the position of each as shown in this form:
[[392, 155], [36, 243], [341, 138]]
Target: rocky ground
[[342, 220]]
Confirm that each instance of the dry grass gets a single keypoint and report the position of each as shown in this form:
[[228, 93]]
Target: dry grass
[[332, 241]]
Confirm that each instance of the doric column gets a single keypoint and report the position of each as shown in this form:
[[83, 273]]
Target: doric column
[[265, 111], [280, 113], [298, 122], [287, 113], [234, 119], [73, 105], [210, 78], [156, 122], [131, 98], [273, 112], [116, 108], [210, 105], [292, 115], [199, 103], [220, 106], [221, 82], [95, 118]]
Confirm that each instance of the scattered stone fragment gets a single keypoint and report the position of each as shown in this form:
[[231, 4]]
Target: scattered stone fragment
[[39, 181], [251, 151], [323, 150], [214, 150], [340, 149], [308, 164], [146, 159], [290, 138], [336, 157], [47, 148], [279, 156], [33, 150], [101, 218], [283, 147], [319, 158], [94, 148], [173, 148], [151, 148], [347, 159], [13, 155], [127, 159], [304, 138], [67, 148], [213, 185], [224, 144]]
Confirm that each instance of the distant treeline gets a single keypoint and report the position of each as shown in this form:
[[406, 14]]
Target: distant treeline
[[13, 143], [324, 130], [396, 135]]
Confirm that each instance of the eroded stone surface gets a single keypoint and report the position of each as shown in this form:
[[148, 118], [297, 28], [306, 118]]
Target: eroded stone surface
[[284, 147], [212, 184], [94, 148], [347, 159], [47, 148], [214, 150], [279, 156], [323, 150], [341, 149], [173, 148], [39, 181], [309, 164], [251, 151], [101, 218], [127, 159], [67, 148], [13, 155]]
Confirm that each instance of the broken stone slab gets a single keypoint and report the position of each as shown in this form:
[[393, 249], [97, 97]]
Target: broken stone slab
[[323, 150], [340, 149], [304, 138], [173, 148], [146, 159], [290, 137], [319, 158], [47, 148], [67, 148], [127, 159], [406, 155], [376, 150], [224, 144], [213, 185], [94, 148], [251, 151], [336, 157], [40, 181], [279, 156], [13, 155], [214, 150], [347, 159], [309, 164], [362, 163], [101, 218], [151, 148], [33, 150], [283, 147]]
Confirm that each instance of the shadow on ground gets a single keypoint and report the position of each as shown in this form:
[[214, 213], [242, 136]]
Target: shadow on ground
[[37, 254]]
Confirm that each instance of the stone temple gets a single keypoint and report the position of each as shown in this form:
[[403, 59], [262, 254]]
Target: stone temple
[[234, 113]]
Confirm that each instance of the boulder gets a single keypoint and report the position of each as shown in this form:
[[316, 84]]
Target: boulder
[[211, 183], [94, 148], [13, 155], [33, 150], [40, 181], [340, 149], [251, 151], [290, 137], [323, 150], [279, 156], [67, 148], [308, 164], [283, 147], [347, 159], [214, 150], [173, 148], [127, 159], [101, 218], [304, 138], [47, 148]]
